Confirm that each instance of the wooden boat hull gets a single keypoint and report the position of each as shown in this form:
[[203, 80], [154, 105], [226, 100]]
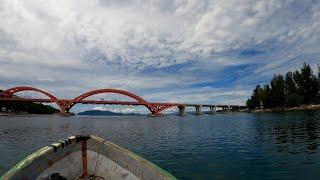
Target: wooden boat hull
[[85, 157]]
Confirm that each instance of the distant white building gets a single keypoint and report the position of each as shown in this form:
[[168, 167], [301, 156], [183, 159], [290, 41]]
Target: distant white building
[[261, 105]]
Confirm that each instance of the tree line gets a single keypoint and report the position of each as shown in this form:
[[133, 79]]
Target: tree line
[[301, 87]]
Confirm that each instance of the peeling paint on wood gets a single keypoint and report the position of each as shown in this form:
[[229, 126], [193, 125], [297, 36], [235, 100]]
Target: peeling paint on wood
[[93, 156]]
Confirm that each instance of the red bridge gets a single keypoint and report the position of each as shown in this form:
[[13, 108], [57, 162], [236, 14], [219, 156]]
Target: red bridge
[[66, 104]]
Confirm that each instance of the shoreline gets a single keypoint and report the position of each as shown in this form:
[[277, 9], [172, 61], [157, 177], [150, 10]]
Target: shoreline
[[282, 109], [3, 113]]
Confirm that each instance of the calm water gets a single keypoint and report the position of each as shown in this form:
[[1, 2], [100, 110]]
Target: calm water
[[233, 146]]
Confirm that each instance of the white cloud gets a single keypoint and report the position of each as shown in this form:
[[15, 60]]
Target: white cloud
[[138, 33], [72, 46], [204, 95], [124, 110]]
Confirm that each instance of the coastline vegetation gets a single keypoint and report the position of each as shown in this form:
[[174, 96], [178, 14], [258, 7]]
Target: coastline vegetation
[[299, 88], [28, 107]]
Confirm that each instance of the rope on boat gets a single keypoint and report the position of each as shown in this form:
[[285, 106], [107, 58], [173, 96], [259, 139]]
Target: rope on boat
[[95, 168]]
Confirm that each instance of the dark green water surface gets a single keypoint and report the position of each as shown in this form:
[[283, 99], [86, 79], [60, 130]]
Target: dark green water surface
[[221, 146]]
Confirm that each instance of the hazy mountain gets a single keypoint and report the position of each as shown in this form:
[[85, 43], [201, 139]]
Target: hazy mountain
[[106, 113]]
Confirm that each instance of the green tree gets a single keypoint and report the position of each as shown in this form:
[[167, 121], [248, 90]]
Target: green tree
[[290, 85], [249, 104], [300, 87], [256, 98], [306, 84], [318, 99], [292, 98], [267, 100], [277, 91]]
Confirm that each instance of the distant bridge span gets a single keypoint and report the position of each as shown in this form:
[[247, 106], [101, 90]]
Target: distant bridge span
[[66, 104]]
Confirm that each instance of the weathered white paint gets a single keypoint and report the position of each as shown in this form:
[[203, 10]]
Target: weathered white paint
[[114, 162], [106, 168], [71, 167]]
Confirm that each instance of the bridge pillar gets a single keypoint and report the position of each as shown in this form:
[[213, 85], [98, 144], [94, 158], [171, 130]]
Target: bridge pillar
[[198, 110], [182, 110], [224, 108], [65, 112], [213, 110]]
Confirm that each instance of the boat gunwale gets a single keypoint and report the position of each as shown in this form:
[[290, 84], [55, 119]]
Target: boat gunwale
[[139, 158], [26, 161], [46, 149]]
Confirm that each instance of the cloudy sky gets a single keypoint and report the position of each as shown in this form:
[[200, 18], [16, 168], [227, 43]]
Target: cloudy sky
[[194, 51]]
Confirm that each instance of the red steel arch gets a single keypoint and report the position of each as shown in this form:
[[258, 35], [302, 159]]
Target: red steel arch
[[65, 104], [158, 108], [116, 91], [69, 105], [9, 93]]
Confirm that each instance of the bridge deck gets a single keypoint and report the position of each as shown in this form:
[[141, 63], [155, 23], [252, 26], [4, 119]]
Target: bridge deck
[[115, 102]]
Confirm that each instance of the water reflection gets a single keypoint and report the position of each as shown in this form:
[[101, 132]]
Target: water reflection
[[282, 145], [293, 133]]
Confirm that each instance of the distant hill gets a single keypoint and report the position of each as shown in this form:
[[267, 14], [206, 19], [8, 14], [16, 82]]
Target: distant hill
[[105, 113], [29, 107]]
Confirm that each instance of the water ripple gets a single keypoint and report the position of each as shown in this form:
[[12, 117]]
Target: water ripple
[[233, 146]]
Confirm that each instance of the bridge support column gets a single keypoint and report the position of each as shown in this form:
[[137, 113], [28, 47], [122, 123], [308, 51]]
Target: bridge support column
[[224, 109], [213, 110], [182, 110], [198, 110], [65, 112], [236, 108]]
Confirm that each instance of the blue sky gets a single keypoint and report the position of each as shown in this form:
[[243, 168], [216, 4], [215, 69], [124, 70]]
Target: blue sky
[[164, 50]]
